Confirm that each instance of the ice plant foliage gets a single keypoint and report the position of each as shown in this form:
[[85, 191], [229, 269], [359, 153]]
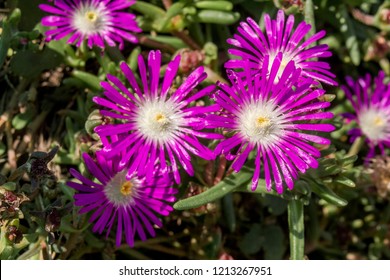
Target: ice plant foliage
[[157, 123], [252, 45], [276, 118], [371, 102], [97, 21], [129, 201]]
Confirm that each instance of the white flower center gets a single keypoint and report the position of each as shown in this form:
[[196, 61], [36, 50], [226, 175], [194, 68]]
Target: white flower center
[[158, 120], [261, 123], [89, 18], [120, 191], [375, 123]]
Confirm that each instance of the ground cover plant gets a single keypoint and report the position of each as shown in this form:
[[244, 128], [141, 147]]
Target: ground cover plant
[[194, 129]]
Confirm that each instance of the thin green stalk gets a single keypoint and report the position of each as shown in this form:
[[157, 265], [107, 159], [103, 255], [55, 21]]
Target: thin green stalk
[[214, 76], [309, 18], [296, 229], [196, 33], [209, 36], [356, 146]]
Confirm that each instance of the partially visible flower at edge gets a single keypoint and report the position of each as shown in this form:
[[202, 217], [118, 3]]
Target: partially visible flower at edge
[[94, 20], [371, 102], [379, 170], [129, 201], [157, 123], [253, 46], [274, 121]]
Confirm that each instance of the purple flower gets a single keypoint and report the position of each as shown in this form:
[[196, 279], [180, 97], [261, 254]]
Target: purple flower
[[273, 119], [156, 121], [371, 102], [129, 201], [252, 46], [98, 21]]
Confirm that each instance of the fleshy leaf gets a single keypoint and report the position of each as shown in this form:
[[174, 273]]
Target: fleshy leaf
[[224, 187]]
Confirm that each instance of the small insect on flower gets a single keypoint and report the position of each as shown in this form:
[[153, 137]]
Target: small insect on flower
[[92, 20], [130, 201], [275, 118], [371, 102], [157, 123], [252, 45]]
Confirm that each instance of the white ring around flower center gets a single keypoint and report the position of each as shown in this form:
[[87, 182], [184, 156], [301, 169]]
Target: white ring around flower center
[[121, 191], [261, 123], [89, 18], [375, 123], [158, 120]]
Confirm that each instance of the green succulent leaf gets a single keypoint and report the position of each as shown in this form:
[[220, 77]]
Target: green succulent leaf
[[327, 194], [351, 40], [4, 41], [37, 62], [224, 187], [148, 9], [345, 181], [132, 60], [218, 17], [348, 160], [274, 248], [174, 10], [21, 120], [253, 240], [90, 80], [215, 5], [9, 186]]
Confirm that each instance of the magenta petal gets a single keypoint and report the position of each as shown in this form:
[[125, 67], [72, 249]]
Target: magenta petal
[[170, 74]]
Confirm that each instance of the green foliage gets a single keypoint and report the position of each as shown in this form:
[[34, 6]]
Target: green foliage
[[268, 238], [224, 187], [38, 61]]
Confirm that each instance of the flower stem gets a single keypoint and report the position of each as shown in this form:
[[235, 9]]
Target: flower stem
[[296, 229], [309, 18], [186, 39], [144, 40], [213, 76], [356, 146]]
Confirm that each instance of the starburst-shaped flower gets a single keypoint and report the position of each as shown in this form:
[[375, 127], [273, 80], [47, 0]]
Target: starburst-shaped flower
[[274, 118], [158, 121], [252, 45], [129, 201], [371, 103], [96, 21]]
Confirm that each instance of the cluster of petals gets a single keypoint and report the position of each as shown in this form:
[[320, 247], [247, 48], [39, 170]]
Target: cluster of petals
[[271, 112], [96, 21], [129, 201], [370, 99], [157, 121], [274, 117], [156, 129], [252, 45]]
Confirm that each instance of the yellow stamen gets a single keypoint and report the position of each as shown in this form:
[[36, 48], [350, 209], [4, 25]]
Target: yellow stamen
[[262, 121], [126, 188], [160, 118], [378, 121], [91, 16]]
